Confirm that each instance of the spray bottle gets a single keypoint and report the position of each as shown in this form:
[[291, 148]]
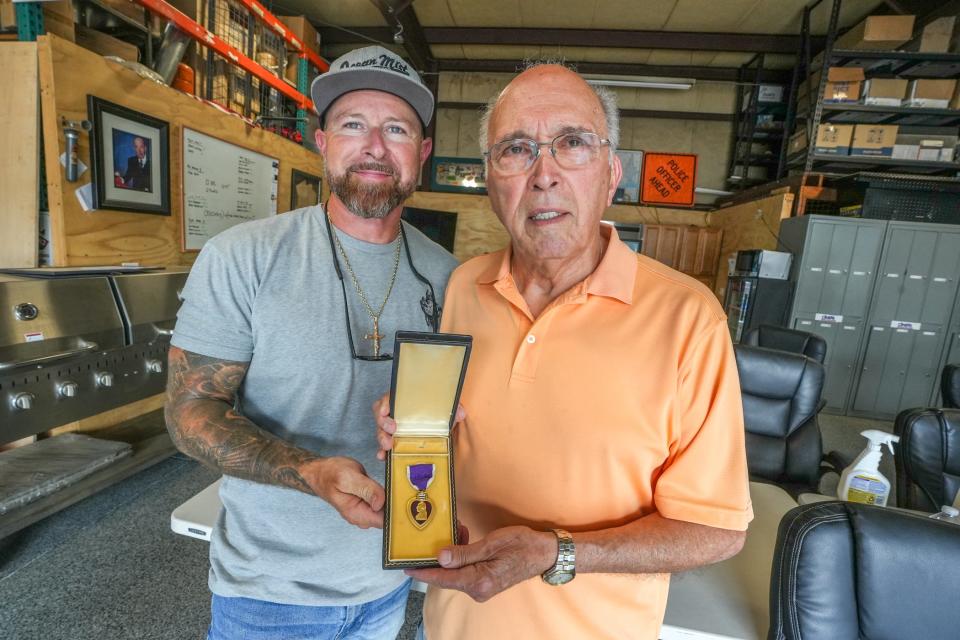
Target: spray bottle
[[862, 480]]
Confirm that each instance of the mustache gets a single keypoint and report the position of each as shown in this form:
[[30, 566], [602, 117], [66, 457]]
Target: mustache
[[373, 166]]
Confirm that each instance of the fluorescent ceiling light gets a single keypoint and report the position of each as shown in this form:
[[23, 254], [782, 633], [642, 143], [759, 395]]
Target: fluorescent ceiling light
[[640, 83]]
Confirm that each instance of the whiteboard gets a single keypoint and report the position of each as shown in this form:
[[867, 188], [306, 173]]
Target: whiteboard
[[223, 185]]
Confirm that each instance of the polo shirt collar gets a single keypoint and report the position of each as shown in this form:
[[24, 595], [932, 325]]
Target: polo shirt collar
[[614, 277]]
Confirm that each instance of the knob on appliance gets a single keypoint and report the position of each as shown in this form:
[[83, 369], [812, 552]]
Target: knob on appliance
[[26, 311], [154, 366], [104, 379], [23, 401], [68, 389]]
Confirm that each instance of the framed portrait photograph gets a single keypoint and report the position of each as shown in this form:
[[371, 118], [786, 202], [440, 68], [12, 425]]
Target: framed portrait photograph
[[305, 189], [628, 191], [462, 175], [130, 158]]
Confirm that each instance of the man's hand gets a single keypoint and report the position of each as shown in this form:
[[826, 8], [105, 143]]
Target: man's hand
[[387, 426], [343, 482], [494, 564]]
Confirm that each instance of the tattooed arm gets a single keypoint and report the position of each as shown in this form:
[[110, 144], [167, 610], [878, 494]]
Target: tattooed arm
[[203, 424]]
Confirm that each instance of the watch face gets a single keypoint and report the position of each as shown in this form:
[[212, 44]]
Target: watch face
[[558, 577]]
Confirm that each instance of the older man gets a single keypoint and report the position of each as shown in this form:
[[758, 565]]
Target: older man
[[603, 443], [280, 347]]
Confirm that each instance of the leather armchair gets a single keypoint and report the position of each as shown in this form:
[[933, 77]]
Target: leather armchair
[[928, 460], [950, 386], [781, 398], [784, 339], [847, 571]]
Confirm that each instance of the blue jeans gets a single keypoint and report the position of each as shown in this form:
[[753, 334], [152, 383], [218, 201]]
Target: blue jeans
[[248, 619]]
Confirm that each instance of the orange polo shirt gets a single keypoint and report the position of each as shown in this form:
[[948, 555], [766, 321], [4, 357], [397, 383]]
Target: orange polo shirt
[[619, 400]]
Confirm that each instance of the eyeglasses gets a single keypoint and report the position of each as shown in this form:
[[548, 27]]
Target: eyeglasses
[[433, 315], [570, 150]]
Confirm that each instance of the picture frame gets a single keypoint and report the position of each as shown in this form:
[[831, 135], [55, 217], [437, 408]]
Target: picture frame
[[458, 175], [306, 189], [628, 191], [130, 158]]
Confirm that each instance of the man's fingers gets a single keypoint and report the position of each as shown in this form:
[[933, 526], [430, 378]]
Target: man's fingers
[[461, 413], [388, 425], [361, 515], [385, 440], [463, 534], [356, 482], [370, 492], [460, 555]]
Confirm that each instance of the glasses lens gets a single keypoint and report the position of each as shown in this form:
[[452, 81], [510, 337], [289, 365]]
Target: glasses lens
[[576, 149], [514, 156]]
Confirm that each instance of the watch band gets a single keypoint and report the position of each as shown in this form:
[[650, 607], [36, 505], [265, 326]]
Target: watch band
[[564, 569]]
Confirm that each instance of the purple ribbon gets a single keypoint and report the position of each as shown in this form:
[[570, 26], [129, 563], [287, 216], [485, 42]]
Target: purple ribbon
[[420, 475]]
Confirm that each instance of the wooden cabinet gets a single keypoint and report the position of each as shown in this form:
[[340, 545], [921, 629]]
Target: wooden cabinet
[[692, 250], [662, 242]]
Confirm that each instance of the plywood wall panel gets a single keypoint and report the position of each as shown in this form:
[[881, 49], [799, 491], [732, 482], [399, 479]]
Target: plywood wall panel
[[19, 164], [68, 74], [751, 225]]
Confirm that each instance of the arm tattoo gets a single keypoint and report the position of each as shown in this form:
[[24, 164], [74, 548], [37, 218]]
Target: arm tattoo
[[203, 424]]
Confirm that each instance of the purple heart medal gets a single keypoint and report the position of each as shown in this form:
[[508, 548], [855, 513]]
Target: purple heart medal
[[419, 508]]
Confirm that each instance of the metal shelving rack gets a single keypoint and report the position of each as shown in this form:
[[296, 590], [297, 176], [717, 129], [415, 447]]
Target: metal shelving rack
[[814, 111], [747, 135], [232, 54]]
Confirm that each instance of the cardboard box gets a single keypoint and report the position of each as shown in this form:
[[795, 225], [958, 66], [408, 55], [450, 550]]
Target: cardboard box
[[874, 140], [130, 9], [58, 19], [844, 84], [915, 146], [420, 514], [940, 36], [8, 15], [770, 93], [930, 93], [886, 92], [301, 28], [833, 139], [798, 141], [106, 45], [878, 33], [930, 150], [905, 151]]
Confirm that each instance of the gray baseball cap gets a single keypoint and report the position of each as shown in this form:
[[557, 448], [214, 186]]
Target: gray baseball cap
[[372, 68]]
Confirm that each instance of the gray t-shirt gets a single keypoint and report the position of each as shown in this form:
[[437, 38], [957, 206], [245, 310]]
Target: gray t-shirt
[[266, 292]]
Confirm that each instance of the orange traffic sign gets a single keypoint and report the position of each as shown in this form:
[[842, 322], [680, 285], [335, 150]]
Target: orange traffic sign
[[668, 178]]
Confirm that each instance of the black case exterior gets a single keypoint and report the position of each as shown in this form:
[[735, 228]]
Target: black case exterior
[[453, 339]]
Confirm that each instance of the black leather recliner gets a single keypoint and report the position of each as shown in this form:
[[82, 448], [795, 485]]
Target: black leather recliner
[[847, 571], [928, 460], [950, 386], [781, 398], [784, 339]]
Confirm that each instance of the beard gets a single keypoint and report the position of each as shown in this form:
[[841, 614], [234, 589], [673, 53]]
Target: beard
[[365, 199]]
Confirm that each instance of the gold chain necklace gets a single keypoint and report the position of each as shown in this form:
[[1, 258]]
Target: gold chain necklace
[[376, 336]]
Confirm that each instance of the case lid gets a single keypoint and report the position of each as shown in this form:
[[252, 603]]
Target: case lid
[[428, 372]]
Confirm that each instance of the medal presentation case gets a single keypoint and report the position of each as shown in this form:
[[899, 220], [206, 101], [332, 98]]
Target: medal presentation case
[[421, 513]]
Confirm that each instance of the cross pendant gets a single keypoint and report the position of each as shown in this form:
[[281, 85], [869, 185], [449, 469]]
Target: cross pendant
[[375, 336]]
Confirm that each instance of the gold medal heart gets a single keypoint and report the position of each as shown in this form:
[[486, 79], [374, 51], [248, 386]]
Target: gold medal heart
[[420, 510]]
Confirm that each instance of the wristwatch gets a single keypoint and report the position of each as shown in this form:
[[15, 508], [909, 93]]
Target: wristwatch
[[564, 569]]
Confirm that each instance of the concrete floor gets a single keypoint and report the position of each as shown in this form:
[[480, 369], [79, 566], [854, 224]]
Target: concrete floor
[[110, 568]]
